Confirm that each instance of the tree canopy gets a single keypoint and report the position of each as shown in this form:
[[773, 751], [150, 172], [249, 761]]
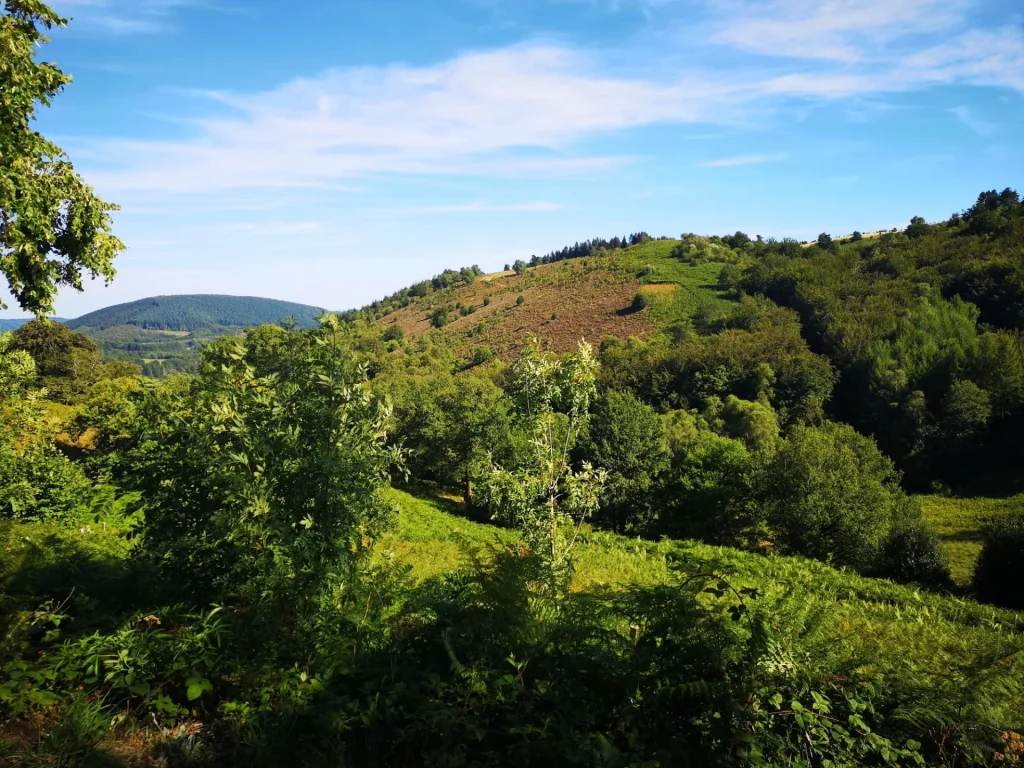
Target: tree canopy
[[53, 228]]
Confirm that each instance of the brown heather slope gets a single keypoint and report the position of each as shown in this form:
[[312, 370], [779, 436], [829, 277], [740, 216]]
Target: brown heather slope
[[563, 302], [569, 300]]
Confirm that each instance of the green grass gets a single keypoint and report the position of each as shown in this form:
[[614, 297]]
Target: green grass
[[960, 524], [697, 282], [431, 537]]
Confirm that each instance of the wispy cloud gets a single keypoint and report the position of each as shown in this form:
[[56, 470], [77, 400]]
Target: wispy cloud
[[842, 30], [527, 110], [478, 206], [126, 17], [732, 162], [976, 124]]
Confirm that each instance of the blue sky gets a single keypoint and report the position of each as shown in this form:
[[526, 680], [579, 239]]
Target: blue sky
[[330, 152]]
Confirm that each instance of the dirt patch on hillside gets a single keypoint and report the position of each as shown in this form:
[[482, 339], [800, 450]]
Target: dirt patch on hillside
[[562, 303]]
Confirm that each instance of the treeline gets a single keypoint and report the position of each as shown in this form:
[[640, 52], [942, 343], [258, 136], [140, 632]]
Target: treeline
[[586, 248], [447, 280]]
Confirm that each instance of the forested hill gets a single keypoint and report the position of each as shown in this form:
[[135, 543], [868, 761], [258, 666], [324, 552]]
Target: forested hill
[[197, 311], [9, 324]]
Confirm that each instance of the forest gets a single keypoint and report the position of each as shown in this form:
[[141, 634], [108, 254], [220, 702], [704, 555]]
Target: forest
[[776, 521]]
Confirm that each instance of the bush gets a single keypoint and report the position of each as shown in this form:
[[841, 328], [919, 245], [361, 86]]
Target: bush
[[394, 333], [641, 300], [482, 355], [440, 317], [521, 300], [999, 572], [487, 301], [913, 555]]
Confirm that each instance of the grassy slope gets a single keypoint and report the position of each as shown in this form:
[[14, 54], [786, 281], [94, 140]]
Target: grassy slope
[[869, 623], [960, 524], [432, 538], [589, 298]]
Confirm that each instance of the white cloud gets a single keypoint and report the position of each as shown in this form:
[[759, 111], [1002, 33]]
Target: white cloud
[[732, 162], [842, 30], [125, 17], [976, 124], [525, 111], [511, 111]]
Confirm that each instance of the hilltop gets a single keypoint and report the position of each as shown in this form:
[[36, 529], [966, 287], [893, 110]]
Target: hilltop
[[196, 312], [163, 334], [623, 292]]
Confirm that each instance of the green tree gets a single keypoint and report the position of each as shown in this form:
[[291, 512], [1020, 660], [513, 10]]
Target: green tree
[[519, 266], [266, 490], [52, 227], [626, 438], [545, 498], [999, 571], [67, 363], [830, 494]]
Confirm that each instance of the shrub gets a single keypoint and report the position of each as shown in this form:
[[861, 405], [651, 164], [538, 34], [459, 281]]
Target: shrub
[[482, 355], [913, 555], [999, 572], [521, 300], [487, 301], [440, 317], [394, 333], [641, 300]]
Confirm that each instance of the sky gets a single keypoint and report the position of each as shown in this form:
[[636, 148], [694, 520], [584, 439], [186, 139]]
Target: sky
[[332, 151]]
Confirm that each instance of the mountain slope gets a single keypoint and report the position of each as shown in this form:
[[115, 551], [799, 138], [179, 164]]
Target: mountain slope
[[197, 312], [10, 324], [568, 300]]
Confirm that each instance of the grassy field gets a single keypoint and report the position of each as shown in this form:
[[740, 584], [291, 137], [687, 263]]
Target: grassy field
[[960, 524], [696, 282]]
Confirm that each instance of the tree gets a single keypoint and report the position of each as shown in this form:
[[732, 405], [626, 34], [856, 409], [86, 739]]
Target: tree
[[627, 438], [918, 228], [519, 266], [67, 363], [520, 300], [999, 571], [545, 498], [832, 495], [265, 491], [52, 227], [450, 424], [825, 242]]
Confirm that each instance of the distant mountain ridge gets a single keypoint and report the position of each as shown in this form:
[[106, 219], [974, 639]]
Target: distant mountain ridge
[[12, 323], [192, 312]]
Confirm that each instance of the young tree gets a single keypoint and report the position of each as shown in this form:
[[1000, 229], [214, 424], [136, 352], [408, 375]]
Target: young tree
[[265, 490], [545, 498], [52, 227]]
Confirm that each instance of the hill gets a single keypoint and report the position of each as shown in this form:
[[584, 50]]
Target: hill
[[623, 292], [10, 324], [163, 334], [197, 312]]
